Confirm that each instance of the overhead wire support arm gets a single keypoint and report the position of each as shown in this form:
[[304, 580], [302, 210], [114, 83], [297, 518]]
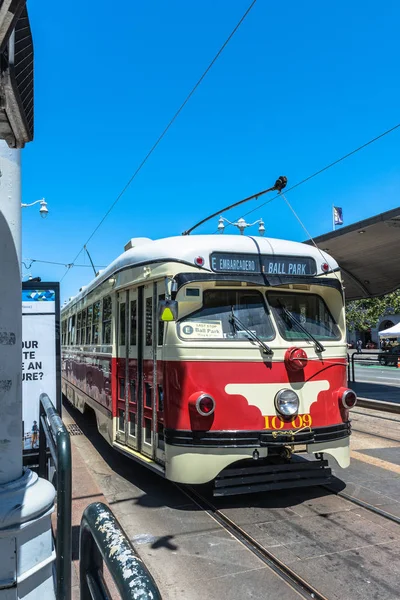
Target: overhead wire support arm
[[279, 185], [91, 262]]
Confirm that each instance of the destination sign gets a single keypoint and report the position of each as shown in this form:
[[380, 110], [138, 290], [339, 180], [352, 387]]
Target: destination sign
[[269, 265]]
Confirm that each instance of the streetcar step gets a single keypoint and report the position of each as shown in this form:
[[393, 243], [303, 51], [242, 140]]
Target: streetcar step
[[266, 477]]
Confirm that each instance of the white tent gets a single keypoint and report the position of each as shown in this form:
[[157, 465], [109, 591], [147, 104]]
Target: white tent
[[392, 332]]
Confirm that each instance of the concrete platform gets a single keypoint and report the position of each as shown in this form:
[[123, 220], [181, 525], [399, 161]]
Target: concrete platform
[[84, 491]]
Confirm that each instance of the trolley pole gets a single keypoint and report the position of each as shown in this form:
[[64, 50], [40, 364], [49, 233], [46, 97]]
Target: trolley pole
[[26, 502]]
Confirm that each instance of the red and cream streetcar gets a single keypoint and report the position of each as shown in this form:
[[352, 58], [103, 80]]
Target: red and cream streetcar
[[214, 358]]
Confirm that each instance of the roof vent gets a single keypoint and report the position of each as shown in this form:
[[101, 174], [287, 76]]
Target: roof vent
[[136, 242]]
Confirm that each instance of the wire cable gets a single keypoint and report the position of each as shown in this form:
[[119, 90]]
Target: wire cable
[[160, 137], [310, 237], [52, 262], [332, 164]]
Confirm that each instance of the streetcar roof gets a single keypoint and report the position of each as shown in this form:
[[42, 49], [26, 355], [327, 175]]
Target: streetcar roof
[[186, 249]]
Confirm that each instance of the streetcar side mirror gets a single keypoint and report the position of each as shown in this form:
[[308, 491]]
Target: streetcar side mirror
[[168, 310]]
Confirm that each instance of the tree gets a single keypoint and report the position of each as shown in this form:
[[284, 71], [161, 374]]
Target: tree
[[363, 314]]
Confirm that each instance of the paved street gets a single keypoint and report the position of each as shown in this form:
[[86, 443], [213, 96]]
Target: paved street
[[377, 383], [378, 374]]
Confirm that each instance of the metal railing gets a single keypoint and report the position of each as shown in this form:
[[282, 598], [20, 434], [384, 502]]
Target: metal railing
[[54, 435], [103, 540], [371, 358]]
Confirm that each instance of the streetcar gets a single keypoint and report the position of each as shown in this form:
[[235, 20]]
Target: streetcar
[[215, 359]]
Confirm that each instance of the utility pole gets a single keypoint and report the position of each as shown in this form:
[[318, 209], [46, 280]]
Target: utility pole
[[26, 501]]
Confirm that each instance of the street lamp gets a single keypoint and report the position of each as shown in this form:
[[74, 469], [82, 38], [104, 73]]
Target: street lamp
[[44, 211], [241, 225]]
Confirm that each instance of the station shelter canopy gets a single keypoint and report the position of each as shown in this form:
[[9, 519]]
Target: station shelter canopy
[[392, 332], [368, 254]]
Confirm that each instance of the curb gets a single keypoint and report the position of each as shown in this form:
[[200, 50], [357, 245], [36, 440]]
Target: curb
[[379, 405]]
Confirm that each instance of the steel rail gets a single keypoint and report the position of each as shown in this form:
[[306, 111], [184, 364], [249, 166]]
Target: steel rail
[[366, 505], [354, 412], [278, 567], [382, 437]]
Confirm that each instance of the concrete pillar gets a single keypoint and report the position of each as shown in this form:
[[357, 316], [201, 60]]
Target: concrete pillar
[[26, 502], [10, 316]]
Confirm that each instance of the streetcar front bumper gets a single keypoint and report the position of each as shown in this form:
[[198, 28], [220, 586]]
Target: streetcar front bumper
[[199, 456]]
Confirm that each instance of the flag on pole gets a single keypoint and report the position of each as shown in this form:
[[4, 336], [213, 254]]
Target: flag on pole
[[337, 215]]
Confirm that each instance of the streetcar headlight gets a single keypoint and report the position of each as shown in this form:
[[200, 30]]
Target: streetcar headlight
[[287, 402]]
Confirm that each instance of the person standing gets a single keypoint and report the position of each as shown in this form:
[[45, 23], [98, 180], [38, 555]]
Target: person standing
[[359, 346], [34, 436]]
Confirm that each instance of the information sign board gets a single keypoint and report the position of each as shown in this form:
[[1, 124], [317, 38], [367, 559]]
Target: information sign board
[[41, 360]]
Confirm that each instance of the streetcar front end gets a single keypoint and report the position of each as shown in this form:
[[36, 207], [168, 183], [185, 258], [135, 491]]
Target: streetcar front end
[[255, 369]]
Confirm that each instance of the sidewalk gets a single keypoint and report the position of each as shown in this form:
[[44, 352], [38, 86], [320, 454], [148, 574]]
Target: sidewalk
[[84, 492]]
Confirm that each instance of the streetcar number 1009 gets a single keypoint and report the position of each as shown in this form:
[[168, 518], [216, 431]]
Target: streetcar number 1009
[[298, 422]]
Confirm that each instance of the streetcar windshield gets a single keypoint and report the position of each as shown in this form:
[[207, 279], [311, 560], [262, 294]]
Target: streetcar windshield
[[214, 319], [311, 312]]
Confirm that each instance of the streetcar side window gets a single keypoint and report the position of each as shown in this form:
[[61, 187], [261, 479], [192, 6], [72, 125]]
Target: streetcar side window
[[64, 332], [72, 342], [96, 322], [89, 318], [122, 324], [78, 328], [226, 314], [133, 332], [149, 321], [106, 320], [309, 310], [83, 331]]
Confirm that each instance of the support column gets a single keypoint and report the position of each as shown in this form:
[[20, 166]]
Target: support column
[[26, 502], [10, 315]]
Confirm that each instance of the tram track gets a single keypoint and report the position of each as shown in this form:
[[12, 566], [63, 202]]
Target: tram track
[[300, 585], [382, 437], [354, 412], [363, 504], [294, 580]]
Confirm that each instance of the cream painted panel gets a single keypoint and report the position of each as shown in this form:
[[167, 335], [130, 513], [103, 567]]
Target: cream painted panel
[[261, 394]]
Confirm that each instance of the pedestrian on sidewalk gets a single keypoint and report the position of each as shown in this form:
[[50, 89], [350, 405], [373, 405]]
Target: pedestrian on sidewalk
[[359, 347]]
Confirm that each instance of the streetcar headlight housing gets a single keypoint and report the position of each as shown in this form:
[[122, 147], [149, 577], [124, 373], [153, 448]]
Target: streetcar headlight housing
[[205, 405], [287, 402], [349, 398]]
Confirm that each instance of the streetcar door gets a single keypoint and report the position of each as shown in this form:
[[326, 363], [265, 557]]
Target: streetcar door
[[148, 315], [133, 410], [122, 353], [159, 396]]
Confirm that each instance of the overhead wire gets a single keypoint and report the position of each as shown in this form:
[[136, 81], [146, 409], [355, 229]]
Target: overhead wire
[[329, 166], [163, 133], [52, 262], [310, 237]]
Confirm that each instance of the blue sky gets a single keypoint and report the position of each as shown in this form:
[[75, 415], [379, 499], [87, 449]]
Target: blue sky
[[299, 85]]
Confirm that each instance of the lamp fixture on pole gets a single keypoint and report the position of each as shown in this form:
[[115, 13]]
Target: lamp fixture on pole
[[279, 185], [241, 225], [44, 211]]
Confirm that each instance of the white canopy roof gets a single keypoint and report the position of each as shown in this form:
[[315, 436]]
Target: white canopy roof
[[392, 332]]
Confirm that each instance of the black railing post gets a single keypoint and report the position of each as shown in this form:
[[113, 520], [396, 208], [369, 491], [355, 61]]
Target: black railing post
[[64, 517], [102, 539], [90, 563], [54, 434], [42, 444], [352, 367]]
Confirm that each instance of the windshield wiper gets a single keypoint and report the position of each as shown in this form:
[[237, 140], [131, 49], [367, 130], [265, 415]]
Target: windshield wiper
[[318, 346], [236, 323]]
